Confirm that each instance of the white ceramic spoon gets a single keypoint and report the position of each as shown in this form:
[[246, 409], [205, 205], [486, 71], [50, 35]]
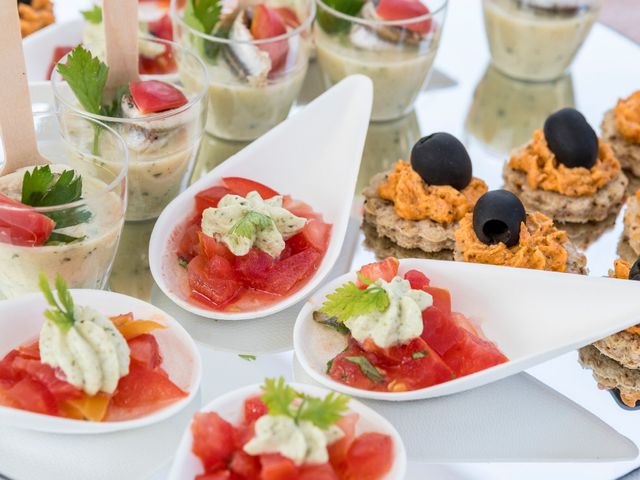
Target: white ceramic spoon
[[313, 156], [531, 315], [187, 466], [21, 320]]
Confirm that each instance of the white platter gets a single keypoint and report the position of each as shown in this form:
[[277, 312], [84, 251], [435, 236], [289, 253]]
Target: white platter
[[229, 406], [21, 320], [506, 303], [294, 158]]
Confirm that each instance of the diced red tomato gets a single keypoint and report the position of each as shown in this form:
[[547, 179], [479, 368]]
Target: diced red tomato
[[349, 373], [369, 458], [254, 408], [288, 16], [338, 449], [243, 186], [316, 234], [210, 247], [317, 472], [212, 440], [189, 244], [219, 475], [162, 64], [385, 269], [47, 376], [213, 278], [417, 279], [7, 372], [30, 350], [405, 10], [210, 197], [254, 268], [143, 386], [277, 467], [245, 466], [152, 96], [33, 396], [24, 227], [441, 299], [58, 53], [299, 208], [145, 350], [287, 273], [243, 433], [161, 28], [267, 23]]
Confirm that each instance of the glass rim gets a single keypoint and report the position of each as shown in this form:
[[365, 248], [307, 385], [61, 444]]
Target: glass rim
[[56, 80], [100, 192], [389, 23], [305, 25]]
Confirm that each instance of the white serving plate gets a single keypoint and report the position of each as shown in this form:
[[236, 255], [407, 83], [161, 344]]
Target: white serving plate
[[229, 406], [294, 158], [21, 320], [532, 316]]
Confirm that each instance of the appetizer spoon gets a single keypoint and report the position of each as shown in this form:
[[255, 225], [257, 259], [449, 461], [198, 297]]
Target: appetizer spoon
[[532, 316], [229, 406], [314, 156], [16, 121], [21, 320], [121, 35]]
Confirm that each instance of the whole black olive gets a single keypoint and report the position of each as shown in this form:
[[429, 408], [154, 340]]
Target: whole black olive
[[634, 273], [441, 159], [571, 138], [497, 218]]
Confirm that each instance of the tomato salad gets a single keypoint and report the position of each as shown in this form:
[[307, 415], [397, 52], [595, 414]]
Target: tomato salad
[[287, 435], [402, 334], [246, 246]]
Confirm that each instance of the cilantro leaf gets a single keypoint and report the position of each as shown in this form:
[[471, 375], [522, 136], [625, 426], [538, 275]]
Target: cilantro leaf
[[62, 315], [350, 301], [202, 15], [367, 368], [87, 77], [332, 24], [278, 396], [57, 238], [94, 15], [249, 224]]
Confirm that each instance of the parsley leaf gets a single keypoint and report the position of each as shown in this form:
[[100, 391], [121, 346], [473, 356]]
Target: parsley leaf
[[332, 24], [87, 77], [94, 15], [350, 301], [367, 368], [281, 399], [249, 224], [62, 313], [202, 15]]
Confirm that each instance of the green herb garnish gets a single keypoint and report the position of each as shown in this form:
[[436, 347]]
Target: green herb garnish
[[331, 322], [62, 313], [367, 368], [183, 262], [250, 224], [418, 355], [332, 24], [93, 16], [61, 239], [204, 16], [281, 399], [247, 357], [350, 301]]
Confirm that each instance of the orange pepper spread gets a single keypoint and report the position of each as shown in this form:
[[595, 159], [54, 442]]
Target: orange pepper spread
[[621, 270], [413, 199], [627, 117], [546, 173], [540, 246]]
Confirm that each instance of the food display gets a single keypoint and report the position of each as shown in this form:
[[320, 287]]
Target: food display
[[401, 332], [419, 205], [500, 232], [632, 222], [621, 129], [160, 119], [615, 360], [566, 172], [393, 42], [537, 39], [256, 57], [286, 434], [245, 246], [85, 366]]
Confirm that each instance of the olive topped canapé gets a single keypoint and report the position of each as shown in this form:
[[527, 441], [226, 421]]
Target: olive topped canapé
[[497, 217], [571, 139], [441, 159]]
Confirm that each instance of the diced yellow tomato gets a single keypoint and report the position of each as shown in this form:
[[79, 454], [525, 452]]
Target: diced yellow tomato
[[120, 320], [92, 408], [130, 328]]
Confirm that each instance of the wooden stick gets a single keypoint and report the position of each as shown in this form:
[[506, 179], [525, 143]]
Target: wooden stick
[[16, 118], [121, 31]]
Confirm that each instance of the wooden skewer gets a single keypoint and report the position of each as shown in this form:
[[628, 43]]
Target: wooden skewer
[[120, 19], [16, 117]]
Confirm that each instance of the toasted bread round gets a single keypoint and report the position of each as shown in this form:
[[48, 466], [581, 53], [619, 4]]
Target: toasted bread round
[[628, 154], [584, 234], [623, 347], [383, 247], [563, 208], [632, 224]]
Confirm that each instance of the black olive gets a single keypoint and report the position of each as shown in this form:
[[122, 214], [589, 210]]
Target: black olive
[[634, 273], [441, 159], [571, 138], [497, 218]]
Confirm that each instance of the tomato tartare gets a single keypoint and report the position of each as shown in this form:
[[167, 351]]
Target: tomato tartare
[[402, 334], [288, 435], [246, 246]]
